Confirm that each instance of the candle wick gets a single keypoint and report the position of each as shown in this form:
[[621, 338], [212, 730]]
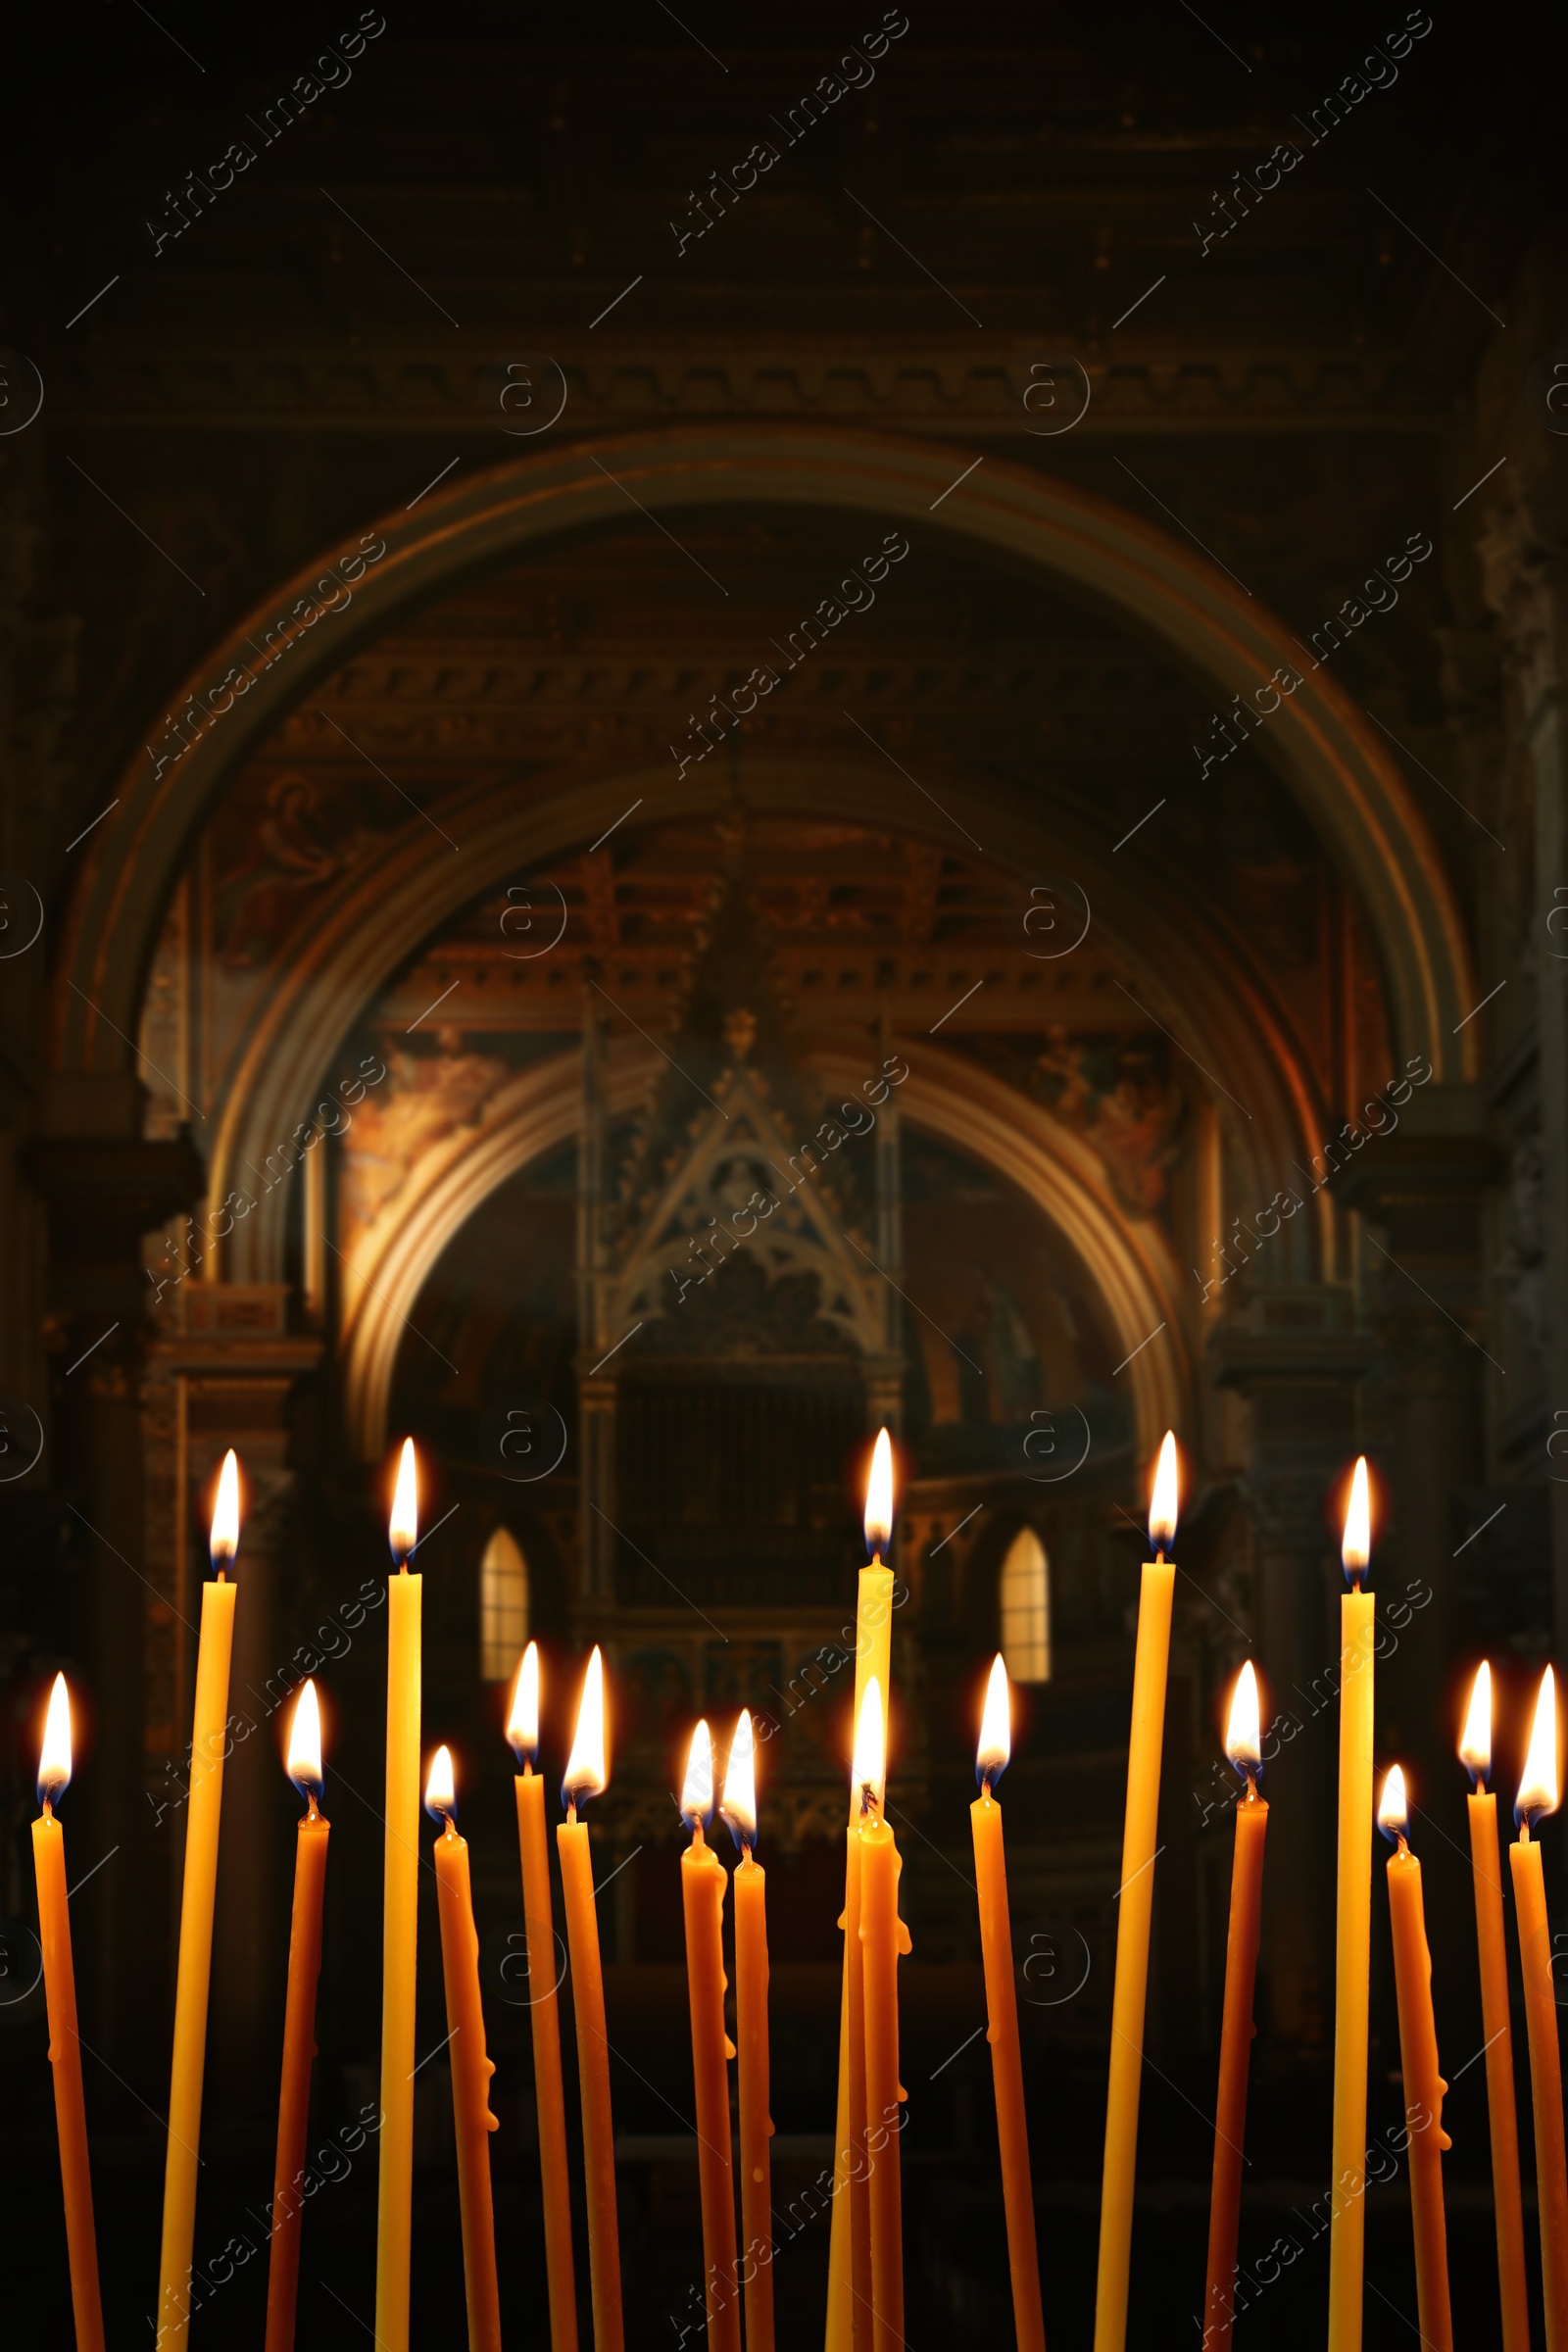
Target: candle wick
[[48, 1808], [571, 1810], [527, 1768], [310, 1805]]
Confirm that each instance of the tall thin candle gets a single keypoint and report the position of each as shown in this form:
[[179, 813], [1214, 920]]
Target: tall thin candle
[[847, 2292], [1424, 2085], [298, 2025], [1475, 1753], [1539, 1794], [1353, 1930], [471, 2066], [209, 1740], [1244, 1747], [739, 1809], [60, 2001], [884, 1938], [1134, 1910], [586, 1775], [544, 2015], [393, 2219], [703, 1887]]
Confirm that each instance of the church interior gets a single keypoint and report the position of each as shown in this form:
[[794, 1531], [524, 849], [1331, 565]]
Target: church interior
[[720, 735]]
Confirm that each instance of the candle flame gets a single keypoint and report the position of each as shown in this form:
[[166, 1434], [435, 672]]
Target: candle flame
[[1538, 1790], [1393, 1807], [879, 1496], [1475, 1740], [305, 1744], [522, 1724], [224, 1540], [1163, 1501], [440, 1790], [587, 1773], [1356, 1548], [697, 1791], [54, 1757], [871, 1748], [995, 1728], [1243, 1737], [739, 1806], [403, 1529]]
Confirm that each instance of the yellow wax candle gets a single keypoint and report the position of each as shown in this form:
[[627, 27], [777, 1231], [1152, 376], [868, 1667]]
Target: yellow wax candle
[[703, 1887], [1002, 2014], [209, 1738], [298, 2026], [554, 2181], [1352, 1931], [1134, 1903], [586, 1777], [64, 2045], [471, 2066], [883, 1937], [1243, 1745], [873, 1648], [1475, 1753], [394, 2216], [751, 2036], [1539, 1795], [1424, 2085]]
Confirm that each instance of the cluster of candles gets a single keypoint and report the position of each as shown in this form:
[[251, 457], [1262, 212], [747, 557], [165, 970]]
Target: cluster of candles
[[865, 2288]]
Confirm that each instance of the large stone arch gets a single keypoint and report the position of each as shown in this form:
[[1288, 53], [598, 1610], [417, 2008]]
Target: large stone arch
[[1341, 772]]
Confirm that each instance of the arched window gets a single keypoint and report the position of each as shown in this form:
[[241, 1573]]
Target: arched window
[[502, 1608], [1026, 1608]]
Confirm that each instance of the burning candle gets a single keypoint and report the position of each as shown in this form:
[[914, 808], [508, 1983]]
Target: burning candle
[[739, 1809], [471, 2069], [586, 1775], [522, 1732], [1352, 1929], [399, 1917], [1424, 2085], [1244, 1747], [1001, 2012], [883, 1937], [1539, 1794], [65, 2046], [702, 1888], [299, 2024], [1135, 1902], [209, 1740], [849, 2279], [1475, 1753]]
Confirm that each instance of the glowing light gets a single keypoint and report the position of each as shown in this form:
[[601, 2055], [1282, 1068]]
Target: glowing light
[[870, 1745], [739, 1805], [1243, 1736], [697, 1791], [522, 1724], [1539, 1792], [440, 1790], [1394, 1808], [586, 1773], [1475, 1740], [305, 1744], [1162, 1503], [403, 1529], [1357, 1549], [995, 1728], [54, 1757], [879, 1496], [225, 1540]]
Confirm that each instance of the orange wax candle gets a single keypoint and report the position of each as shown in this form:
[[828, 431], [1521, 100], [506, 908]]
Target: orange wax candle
[[1539, 1794], [64, 2045], [1002, 2012], [1352, 1929], [1424, 2085], [1243, 1744], [702, 1887], [853, 2201], [471, 2069], [400, 1917], [1475, 1752], [298, 2025], [751, 2035], [883, 1936], [586, 1777], [523, 1731]]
